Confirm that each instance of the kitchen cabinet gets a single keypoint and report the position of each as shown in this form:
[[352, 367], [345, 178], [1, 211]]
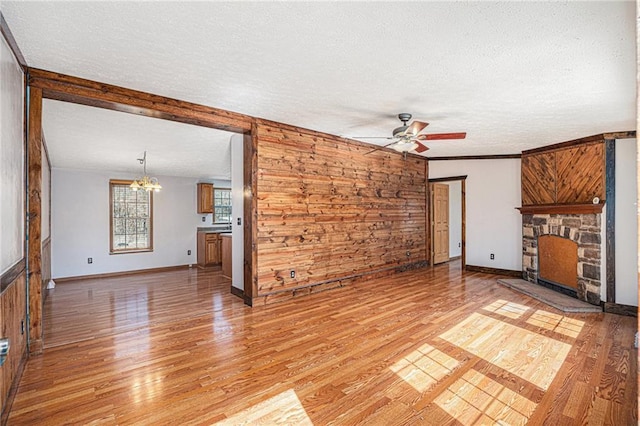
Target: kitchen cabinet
[[209, 248], [205, 198], [226, 255]]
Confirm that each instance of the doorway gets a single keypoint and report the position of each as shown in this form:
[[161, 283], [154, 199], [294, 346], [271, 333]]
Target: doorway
[[447, 220]]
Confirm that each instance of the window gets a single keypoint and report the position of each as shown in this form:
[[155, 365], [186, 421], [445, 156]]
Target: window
[[131, 218], [221, 205]]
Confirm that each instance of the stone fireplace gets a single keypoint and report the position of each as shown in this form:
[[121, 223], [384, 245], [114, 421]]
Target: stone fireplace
[[583, 232]]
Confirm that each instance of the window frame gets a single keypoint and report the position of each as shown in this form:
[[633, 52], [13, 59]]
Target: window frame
[[230, 206], [112, 249]]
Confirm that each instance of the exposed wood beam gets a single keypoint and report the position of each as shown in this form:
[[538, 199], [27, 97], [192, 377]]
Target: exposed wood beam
[[86, 92]]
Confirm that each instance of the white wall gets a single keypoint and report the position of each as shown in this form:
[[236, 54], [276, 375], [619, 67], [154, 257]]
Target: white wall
[[80, 224], [11, 159], [626, 223], [237, 202], [493, 224], [455, 218]]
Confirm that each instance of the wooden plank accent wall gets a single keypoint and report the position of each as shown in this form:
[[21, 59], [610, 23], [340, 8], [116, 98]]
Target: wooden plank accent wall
[[580, 173], [328, 211], [46, 267], [12, 317], [572, 174], [539, 178]]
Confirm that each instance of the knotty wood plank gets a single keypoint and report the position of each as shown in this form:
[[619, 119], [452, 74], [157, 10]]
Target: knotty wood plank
[[176, 347], [328, 210], [34, 245]]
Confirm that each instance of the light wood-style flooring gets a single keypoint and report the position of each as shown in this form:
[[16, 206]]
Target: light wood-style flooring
[[433, 346]]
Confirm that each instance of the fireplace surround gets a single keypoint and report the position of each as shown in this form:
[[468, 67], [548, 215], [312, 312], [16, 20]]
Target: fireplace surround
[[584, 230]]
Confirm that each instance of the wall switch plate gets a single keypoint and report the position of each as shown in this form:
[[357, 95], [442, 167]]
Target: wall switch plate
[[292, 273], [188, 252], [492, 256], [90, 260]]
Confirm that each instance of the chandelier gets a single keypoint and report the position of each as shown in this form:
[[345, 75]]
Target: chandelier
[[145, 182]]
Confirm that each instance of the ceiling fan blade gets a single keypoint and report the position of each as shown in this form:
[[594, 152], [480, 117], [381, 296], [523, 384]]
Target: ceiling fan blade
[[421, 147], [442, 136], [380, 147], [415, 127]]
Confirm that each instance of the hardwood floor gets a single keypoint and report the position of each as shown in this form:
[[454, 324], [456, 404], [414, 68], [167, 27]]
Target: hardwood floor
[[432, 346]]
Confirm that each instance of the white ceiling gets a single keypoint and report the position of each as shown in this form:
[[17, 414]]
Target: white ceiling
[[513, 75]]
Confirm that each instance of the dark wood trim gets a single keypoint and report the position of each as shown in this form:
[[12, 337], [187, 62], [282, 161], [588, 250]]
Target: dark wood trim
[[427, 219], [562, 208], [463, 255], [250, 160], [447, 179], [34, 244], [629, 134], [237, 292], [13, 389], [63, 280], [615, 308], [63, 87], [11, 41], [495, 271], [610, 224], [476, 157], [563, 145], [12, 274]]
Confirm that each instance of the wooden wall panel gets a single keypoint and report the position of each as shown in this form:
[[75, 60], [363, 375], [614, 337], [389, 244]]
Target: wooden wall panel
[[581, 174], [328, 211], [46, 267], [12, 317], [572, 174], [539, 178]]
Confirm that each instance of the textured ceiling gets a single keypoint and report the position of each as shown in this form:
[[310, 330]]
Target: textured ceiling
[[513, 75], [81, 137]]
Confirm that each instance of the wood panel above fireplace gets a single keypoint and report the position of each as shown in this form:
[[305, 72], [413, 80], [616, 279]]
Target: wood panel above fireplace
[[568, 175]]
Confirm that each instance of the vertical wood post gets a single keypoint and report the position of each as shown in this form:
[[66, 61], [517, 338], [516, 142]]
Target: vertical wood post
[[610, 226], [34, 245], [250, 156]]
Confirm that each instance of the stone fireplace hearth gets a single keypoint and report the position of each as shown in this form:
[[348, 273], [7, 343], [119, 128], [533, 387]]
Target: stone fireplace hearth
[[584, 230]]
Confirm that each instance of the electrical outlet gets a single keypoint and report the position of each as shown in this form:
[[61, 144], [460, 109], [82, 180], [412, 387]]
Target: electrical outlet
[[292, 273], [492, 256], [459, 244], [90, 260], [204, 218], [188, 252]]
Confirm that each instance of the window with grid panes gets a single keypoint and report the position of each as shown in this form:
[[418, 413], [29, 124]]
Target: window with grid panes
[[131, 218], [221, 205]]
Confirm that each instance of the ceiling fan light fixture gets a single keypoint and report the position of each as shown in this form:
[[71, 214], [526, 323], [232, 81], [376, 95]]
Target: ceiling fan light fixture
[[403, 146]]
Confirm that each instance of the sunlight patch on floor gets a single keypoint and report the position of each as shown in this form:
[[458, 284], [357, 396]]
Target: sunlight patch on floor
[[560, 324], [507, 309], [476, 399], [423, 367], [283, 409], [531, 356]]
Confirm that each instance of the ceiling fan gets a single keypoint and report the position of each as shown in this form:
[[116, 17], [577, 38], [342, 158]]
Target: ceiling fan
[[406, 138]]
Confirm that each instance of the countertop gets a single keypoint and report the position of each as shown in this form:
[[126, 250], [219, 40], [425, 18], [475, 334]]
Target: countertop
[[213, 230]]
